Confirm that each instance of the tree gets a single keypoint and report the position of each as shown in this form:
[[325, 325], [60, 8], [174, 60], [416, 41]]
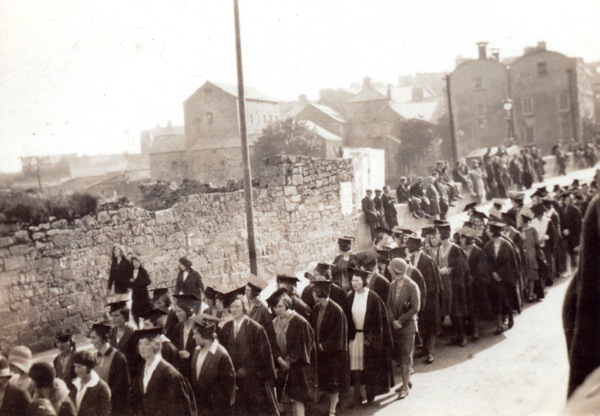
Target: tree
[[418, 138], [289, 137]]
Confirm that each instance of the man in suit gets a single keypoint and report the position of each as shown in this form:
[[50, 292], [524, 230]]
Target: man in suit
[[379, 207], [159, 389], [371, 213], [403, 304], [189, 282], [212, 371], [389, 210]]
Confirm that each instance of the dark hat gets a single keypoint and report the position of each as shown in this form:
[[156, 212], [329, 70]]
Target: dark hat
[[406, 231], [256, 282], [324, 285], [159, 292], [357, 272], [440, 223], [479, 214], [148, 333], [556, 188], [276, 296], [509, 218], [540, 192], [42, 373], [496, 224], [518, 196], [470, 206], [397, 252], [366, 258], [526, 213], [117, 306], [414, 243], [204, 319], [538, 209], [381, 230], [383, 256], [287, 276], [212, 291], [100, 329], [378, 191], [232, 295], [466, 231], [64, 335], [468, 224], [187, 301], [185, 261], [324, 269], [575, 183], [498, 202], [152, 314], [427, 230]]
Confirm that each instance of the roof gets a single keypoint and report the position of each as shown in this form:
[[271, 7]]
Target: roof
[[226, 143], [321, 132], [367, 94], [250, 93], [330, 112], [166, 144], [427, 110]]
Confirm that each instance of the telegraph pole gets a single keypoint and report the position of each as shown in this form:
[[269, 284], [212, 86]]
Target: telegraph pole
[[245, 150], [451, 119]]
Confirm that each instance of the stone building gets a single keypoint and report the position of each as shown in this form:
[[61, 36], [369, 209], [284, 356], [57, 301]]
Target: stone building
[[478, 88], [551, 95]]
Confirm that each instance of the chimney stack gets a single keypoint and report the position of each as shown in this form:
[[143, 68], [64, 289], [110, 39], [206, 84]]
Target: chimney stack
[[542, 45], [495, 54], [302, 99], [482, 50], [366, 82]]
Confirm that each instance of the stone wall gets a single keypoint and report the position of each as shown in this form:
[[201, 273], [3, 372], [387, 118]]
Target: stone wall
[[56, 274]]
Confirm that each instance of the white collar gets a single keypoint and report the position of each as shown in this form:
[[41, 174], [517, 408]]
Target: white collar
[[235, 323], [92, 383], [154, 363], [212, 349]]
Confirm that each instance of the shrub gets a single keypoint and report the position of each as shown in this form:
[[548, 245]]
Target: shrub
[[84, 204]]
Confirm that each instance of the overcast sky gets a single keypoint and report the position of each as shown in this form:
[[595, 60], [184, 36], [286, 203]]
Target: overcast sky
[[85, 77]]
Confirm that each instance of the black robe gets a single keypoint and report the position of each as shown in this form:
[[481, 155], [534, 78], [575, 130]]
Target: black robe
[[118, 382], [336, 294], [261, 315], [378, 375], [189, 346], [129, 347], [120, 275], [339, 271], [214, 390], [168, 393], [15, 401], [459, 276], [380, 285], [572, 222], [332, 347], [300, 307], [582, 303], [431, 315], [480, 281], [300, 382], [250, 352], [503, 294], [140, 299]]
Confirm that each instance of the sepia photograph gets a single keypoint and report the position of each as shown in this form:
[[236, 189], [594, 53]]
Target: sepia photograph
[[299, 208]]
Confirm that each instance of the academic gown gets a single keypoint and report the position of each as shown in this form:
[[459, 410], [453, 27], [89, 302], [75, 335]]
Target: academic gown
[[120, 275], [380, 285], [572, 222], [300, 307], [300, 382], [480, 280], [503, 296], [118, 382], [431, 322], [214, 389], [336, 294], [582, 303], [262, 316], [332, 334], [459, 277], [128, 346], [168, 393], [340, 272], [378, 375], [250, 351], [189, 346]]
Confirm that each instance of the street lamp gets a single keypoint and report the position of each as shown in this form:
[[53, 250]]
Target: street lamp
[[507, 104]]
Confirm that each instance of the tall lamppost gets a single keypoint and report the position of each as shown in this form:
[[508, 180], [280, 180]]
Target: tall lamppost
[[510, 130]]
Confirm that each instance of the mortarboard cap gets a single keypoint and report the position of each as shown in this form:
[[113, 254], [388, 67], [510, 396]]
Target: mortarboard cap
[[575, 183], [381, 230], [527, 213], [496, 223], [256, 282], [232, 295], [397, 252], [205, 320], [479, 214], [440, 223], [427, 230], [498, 202], [287, 276], [152, 314], [116, 306], [148, 333], [357, 272], [470, 206], [366, 258], [466, 231], [509, 218], [64, 335], [276, 296], [540, 192], [414, 242], [100, 329], [324, 269], [212, 291], [468, 224], [160, 292], [406, 231], [518, 196]]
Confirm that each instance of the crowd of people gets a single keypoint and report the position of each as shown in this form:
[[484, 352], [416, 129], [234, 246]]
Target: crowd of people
[[203, 349]]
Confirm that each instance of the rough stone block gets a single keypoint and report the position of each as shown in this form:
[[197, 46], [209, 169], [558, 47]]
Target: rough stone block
[[22, 236], [103, 217], [89, 222], [6, 241], [62, 240], [60, 224], [290, 190], [20, 249], [14, 263], [38, 236]]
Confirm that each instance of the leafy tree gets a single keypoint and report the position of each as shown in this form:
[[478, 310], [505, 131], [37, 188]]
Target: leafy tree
[[418, 137], [288, 137]]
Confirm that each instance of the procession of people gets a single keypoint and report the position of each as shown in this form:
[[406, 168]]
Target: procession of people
[[203, 349]]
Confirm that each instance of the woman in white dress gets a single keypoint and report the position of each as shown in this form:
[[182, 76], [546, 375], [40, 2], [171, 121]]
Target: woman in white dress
[[477, 176]]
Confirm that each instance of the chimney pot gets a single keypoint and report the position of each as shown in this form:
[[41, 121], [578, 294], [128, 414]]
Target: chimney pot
[[482, 46], [366, 82]]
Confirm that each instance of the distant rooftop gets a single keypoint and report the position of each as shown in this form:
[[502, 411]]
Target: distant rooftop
[[250, 93]]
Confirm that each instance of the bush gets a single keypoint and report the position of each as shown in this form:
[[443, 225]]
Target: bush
[[84, 204]]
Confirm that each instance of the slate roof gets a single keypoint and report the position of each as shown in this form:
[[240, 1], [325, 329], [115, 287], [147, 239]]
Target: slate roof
[[251, 93], [321, 132]]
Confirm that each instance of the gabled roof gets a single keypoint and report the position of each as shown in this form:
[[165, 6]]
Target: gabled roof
[[367, 94], [321, 132], [166, 144], [329, 112], [250, 93], [427, 110]]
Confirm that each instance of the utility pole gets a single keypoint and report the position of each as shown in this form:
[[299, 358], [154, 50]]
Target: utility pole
[[244, 137], [451, 120]]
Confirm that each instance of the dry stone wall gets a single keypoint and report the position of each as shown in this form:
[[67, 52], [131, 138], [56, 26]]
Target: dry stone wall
[[56, 274]]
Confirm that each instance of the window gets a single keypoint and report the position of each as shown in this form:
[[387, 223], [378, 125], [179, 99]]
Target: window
[[481, 110], [209, 117], [527, 104], [542, 69], [478, 82], [529, 137], [563, 102]]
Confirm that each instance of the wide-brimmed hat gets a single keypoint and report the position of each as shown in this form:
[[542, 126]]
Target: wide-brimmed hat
[[20, 357]]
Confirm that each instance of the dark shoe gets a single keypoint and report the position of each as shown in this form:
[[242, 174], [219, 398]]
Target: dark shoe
[[430, 359], [511, 322], [475, 336], [399, 389], [453, 341], [463, 342], [499, 330], [402, 394]]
